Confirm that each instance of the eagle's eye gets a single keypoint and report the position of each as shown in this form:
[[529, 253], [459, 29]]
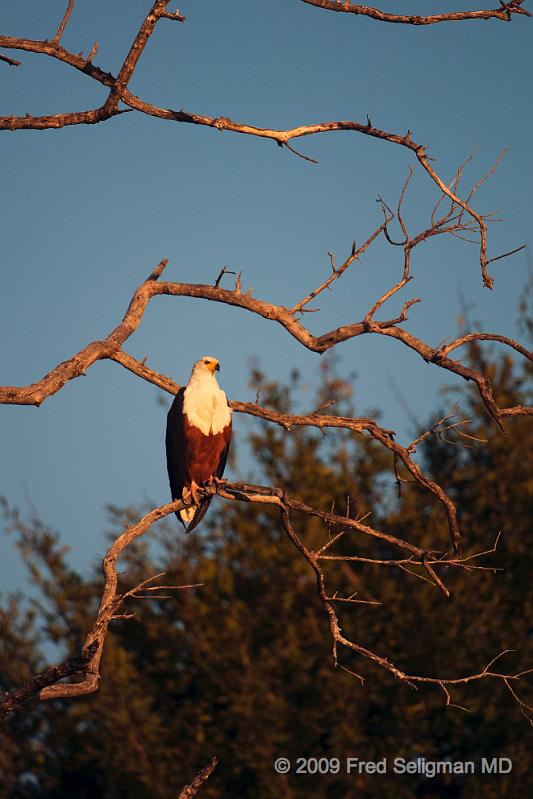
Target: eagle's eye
[[206, 362]]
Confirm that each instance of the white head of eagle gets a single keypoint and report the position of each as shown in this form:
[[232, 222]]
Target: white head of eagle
[[197, 439]]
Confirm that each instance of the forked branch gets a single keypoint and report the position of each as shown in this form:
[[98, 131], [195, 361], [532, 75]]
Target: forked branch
[[112, 600], [412, 680], [111, 347], [120, 93]]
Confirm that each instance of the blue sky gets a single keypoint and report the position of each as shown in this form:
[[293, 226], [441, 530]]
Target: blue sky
[[87, 211]]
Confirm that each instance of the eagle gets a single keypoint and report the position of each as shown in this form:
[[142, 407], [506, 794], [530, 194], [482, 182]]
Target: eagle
[[197, 439]]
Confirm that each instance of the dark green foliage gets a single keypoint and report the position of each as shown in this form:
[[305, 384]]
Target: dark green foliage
[[242, 667]]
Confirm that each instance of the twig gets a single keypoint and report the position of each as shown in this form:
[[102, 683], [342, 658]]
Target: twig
[[10, 61], [223, 271], [506, 254], [191, 790], [64, 22]]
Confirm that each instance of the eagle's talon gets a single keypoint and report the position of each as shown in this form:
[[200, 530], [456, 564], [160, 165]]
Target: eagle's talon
[[186, 496], [194, 493]]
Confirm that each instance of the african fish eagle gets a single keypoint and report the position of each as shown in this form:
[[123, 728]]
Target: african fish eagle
[[197, 439]]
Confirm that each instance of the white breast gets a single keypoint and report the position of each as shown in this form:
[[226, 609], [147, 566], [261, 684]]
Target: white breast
[[206, 405]]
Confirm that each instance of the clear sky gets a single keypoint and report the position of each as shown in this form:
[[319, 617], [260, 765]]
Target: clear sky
[[87, 212]]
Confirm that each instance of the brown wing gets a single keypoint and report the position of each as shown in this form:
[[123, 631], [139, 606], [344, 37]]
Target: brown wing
[[224, 456], [176, 446]]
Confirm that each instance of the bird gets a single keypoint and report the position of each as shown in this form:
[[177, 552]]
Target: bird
[[198, 436]]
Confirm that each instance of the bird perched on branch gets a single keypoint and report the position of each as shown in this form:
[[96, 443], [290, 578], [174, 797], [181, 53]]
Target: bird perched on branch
[[197, 439]]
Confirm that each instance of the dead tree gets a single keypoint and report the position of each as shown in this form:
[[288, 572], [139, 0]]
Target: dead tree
[[452, 215]]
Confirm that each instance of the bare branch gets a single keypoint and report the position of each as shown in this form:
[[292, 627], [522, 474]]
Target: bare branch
[[467, 338], [353, 601], [10, 61], [111, 346], [119, 92], [112, 600], [110, 603], [223, 271], [433, 429], [336, 273], [458, 218], [74, 665], [92, 52], [57, 121], [297, 152], [191, 790], [503, 13], [157, 11], [409, 679], [64, 22], [506, 254]]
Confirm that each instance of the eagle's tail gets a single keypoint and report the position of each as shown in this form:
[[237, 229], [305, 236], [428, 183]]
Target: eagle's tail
[[186, 515], [193, 515]]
